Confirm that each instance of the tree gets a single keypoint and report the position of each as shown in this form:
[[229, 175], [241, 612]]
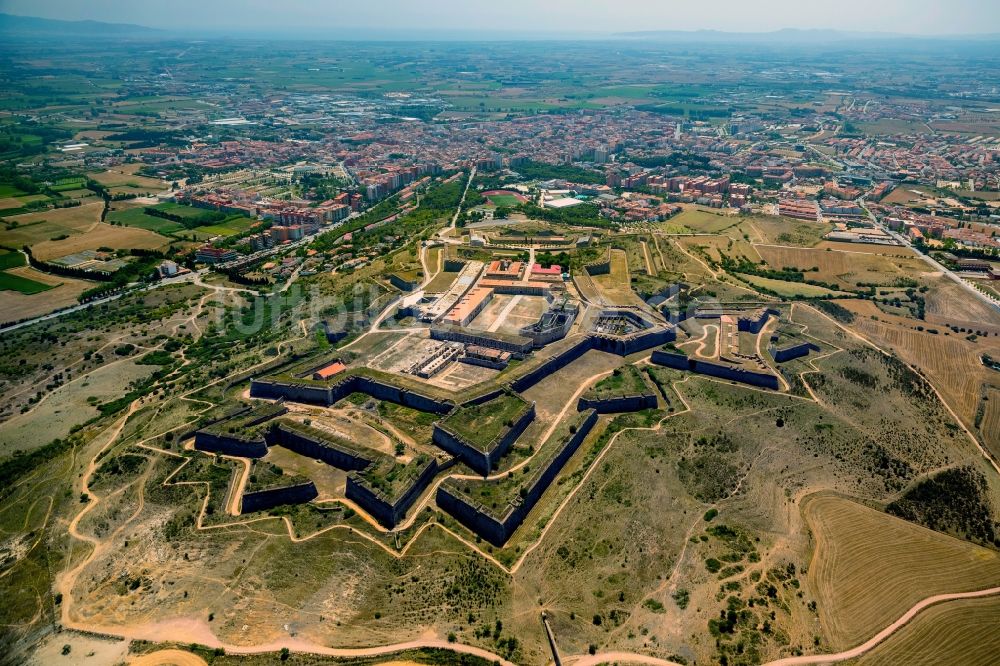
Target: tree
[[285, 654]]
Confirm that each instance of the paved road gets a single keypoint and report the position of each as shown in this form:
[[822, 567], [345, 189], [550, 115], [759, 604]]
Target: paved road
[[929, 260]]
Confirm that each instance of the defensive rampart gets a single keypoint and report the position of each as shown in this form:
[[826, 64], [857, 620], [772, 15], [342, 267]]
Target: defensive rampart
[[618, 404], [312, 443], [262, 500], [389, 511], [793, 351], [482, 459], [497, 530], [682, 362]]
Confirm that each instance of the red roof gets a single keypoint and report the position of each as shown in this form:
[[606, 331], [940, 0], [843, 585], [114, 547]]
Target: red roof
[[554, 269]]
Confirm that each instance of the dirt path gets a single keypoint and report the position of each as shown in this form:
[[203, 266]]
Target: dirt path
[[649, 262], [168, 658]]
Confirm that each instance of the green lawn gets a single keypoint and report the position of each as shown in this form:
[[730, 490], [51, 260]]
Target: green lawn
[[10, 282], [504, 200]]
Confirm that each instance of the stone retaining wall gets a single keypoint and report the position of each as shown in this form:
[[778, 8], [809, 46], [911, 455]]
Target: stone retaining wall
[[263, 500]]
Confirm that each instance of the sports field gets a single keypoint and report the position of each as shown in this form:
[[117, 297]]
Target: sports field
[[504, 198]]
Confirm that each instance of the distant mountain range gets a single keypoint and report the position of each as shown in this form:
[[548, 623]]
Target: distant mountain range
[[11, 24], [30, 26], [790, 36]]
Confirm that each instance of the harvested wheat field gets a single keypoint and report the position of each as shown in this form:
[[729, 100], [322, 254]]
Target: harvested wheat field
[[989, 426], [957, 632], [869, 568], [15, 306], [950, 362], [866, 248], [32, 228], [102, 235], [847, 269], [949, 301]]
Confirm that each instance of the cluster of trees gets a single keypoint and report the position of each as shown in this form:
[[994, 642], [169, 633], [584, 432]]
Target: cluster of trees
[[541, 171], [584, 215], [189, 221]]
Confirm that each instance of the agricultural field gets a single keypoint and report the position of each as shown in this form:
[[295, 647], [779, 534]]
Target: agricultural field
[[950, 361], [137, 217], [10, 281], [989, 422], [100, 235], [844, 268], [33, 228], [127, 179], [59, 292], [870, 568], [955, 632]]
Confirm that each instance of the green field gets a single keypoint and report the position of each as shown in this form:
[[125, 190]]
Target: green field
[[17, 283], [505, 200], [11, 260], [228, 227], [10, 191], [137, 217]]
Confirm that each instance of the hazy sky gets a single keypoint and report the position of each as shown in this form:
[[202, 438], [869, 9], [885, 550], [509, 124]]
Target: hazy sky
[[599, 16]]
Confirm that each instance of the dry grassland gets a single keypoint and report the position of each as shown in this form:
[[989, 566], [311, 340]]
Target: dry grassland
[[615, 286], [716, 246], [788, 231], [102, 235], [844, 268], [864, 248], [869, 568]]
